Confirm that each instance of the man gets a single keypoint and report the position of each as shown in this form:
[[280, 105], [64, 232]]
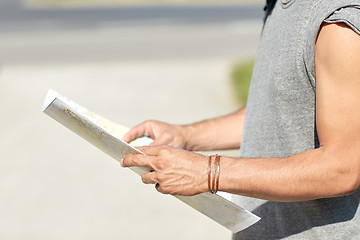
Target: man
[[299, 165]]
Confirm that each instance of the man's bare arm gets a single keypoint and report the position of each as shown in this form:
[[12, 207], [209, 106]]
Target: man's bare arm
[[218, 133], [334, 168], [329, 171]]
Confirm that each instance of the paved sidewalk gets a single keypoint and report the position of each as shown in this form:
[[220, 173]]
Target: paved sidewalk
[[54, 185]]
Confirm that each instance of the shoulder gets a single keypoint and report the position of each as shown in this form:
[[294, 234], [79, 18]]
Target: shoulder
[[338, 50]]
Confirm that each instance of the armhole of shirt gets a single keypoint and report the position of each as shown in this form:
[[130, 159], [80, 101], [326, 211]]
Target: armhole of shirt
[[348, 13]]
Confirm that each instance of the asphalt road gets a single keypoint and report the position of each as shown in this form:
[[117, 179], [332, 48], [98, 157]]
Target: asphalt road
[[48, 35], [14, 16]]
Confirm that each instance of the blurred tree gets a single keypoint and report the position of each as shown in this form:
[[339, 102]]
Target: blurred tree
[[241, 76]]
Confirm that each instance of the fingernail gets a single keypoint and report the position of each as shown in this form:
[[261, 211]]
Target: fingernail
[[122, 162]]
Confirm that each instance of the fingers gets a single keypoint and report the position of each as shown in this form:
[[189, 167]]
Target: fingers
[[159, 189], [162, 133], [137, 160], [152, 158], [138, 131], [175, 171], [156, 150], [150, 178], [161, 140], [149, 150]]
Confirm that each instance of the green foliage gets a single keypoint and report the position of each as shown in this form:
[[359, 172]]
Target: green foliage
[[241, 76]]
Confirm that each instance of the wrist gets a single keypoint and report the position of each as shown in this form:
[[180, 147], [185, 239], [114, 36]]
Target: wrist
[[187, 132], [202, 184], [200, 136]]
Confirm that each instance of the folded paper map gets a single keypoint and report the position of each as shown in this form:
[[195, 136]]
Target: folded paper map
[[107, 135]]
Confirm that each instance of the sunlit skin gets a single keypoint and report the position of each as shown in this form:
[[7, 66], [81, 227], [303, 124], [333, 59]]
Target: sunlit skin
[[329, 171]]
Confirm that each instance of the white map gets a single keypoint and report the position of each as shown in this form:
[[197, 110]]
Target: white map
[[106, 136]]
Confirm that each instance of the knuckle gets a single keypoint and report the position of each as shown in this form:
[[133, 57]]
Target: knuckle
[[135, 160], [167, 190], [159, 178], [161, 164], [143, 178], [166, 135], [163, 150], [149, 123], [162, 189]]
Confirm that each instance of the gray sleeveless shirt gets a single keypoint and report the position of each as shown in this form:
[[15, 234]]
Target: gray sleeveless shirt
[[280, 119]]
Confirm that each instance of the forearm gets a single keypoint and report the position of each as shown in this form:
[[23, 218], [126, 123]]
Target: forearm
[[219, 133], [309, 175]]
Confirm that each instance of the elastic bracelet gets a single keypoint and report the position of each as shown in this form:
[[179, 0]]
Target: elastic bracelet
[[217, 174], [213, 176], [209, 173]]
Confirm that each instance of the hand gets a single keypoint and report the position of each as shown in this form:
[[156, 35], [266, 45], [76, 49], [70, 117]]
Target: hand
[[162, 133], [174, 171]]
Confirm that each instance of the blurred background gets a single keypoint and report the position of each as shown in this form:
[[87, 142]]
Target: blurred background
[[176, 61]]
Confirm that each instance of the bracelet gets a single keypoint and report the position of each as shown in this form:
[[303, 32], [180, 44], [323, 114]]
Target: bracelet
[[217, 174], [209, 173], [213, 177]]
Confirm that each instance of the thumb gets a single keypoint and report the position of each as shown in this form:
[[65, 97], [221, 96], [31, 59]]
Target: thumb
[[133, 133], [128, 137]]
